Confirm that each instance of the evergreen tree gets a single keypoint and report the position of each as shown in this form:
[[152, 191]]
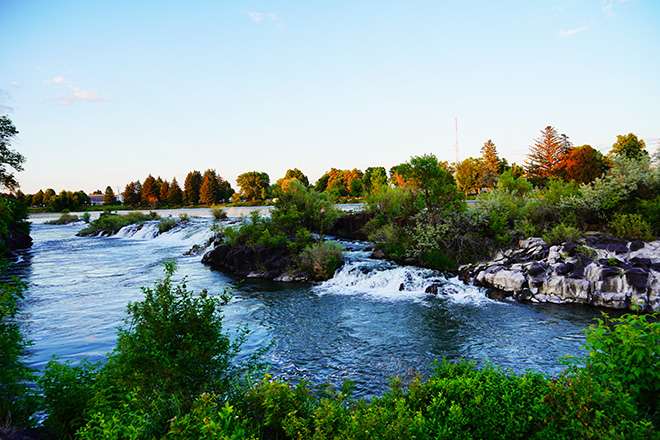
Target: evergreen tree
[[191, 187], [148, 195], [157, 184], [545, 155], [490, 164], [175, 195], [164, 191], [208, 192], [131, 194], [109, 196]]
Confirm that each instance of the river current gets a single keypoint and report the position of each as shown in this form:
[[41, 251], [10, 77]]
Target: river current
[[370, 322]]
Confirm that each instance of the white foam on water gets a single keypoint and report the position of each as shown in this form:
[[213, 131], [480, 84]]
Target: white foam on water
[[389, 282]]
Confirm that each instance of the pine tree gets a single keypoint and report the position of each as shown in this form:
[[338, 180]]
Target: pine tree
[[164, 191], [131, 194], [109, 196], [491, 164], [191, 187], [175, 195], [546, 154], [148, 195], [208, 192]]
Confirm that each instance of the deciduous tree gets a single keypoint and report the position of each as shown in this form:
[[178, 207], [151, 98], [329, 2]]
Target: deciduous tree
[[582, 164], [254, 185], [9, 159], [628, 145], [470, 175]]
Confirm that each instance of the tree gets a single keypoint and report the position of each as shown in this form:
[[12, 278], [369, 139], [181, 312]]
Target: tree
[[546, 153], [48, 196], [491, 164], [470, 175], [131, 195], [208, 192], [8, 157], [434, 182], [164, 191], [254, 185], [582, 164], [295, 173], [400, 174], [374, 178], [149, 193], [175, 195], [38, 198], [109, 196], [225, 191], [629, 146], [191, 187]]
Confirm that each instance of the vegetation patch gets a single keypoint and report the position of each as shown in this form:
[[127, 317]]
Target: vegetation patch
[[64, 219], [109, 223]]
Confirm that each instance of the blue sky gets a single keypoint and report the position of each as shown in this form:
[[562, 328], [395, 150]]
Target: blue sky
[[108, 91]]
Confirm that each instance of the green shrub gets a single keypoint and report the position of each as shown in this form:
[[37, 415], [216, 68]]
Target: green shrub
[[17, 401], [183, 217], [209, 420], [321, 260], [586, 251], [624, 352], [301, 207], [650, 212], [218, 213], [631, 227], [166, 224], [562, 233], [109, 223], [455, 239], [170, 350], [64, 219], [67, 392], [86, 217], [393, 240], [510, 183], [257, 231]]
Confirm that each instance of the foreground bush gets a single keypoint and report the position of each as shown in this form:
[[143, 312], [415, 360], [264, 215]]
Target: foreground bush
[[17, 402], [170, 350], [109, 223], [172, 376]]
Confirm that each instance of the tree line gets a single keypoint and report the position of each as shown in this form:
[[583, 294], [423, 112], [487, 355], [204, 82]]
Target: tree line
[[551, 156]]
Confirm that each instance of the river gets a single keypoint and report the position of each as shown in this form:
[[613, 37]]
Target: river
[[359, 325]]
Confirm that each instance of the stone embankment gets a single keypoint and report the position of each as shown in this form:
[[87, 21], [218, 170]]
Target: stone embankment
[[599, 270]]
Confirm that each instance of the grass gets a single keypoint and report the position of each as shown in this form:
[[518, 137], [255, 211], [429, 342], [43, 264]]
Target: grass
[[64, 219], [109, 224]]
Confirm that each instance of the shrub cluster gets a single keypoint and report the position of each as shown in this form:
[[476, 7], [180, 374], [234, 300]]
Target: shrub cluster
[[64, 219], [110, 223]]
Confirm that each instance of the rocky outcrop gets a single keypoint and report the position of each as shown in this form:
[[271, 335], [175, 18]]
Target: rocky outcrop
[[18, 239], [250, 261], [351, 226], [600, 270]]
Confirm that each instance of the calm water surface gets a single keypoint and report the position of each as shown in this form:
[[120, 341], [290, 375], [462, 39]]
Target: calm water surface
[[360, 325]]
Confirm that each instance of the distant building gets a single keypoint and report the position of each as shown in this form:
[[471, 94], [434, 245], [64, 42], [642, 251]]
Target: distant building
[[96, 199]]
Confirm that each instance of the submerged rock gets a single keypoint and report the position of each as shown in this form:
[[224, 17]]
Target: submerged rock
[[601, 271]]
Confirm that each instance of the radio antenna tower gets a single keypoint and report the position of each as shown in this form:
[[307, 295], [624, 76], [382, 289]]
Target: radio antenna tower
[[456, 133]]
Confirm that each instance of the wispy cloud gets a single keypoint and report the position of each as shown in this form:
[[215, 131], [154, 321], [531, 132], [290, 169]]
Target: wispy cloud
[[259, 17], [73, 93], [609, 6], [58, 79], [573, 31]]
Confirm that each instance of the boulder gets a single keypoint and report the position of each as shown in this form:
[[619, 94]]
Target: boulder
[[249, 261]]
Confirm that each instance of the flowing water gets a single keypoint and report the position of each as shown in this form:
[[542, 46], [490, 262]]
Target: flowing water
[[370, 322]]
